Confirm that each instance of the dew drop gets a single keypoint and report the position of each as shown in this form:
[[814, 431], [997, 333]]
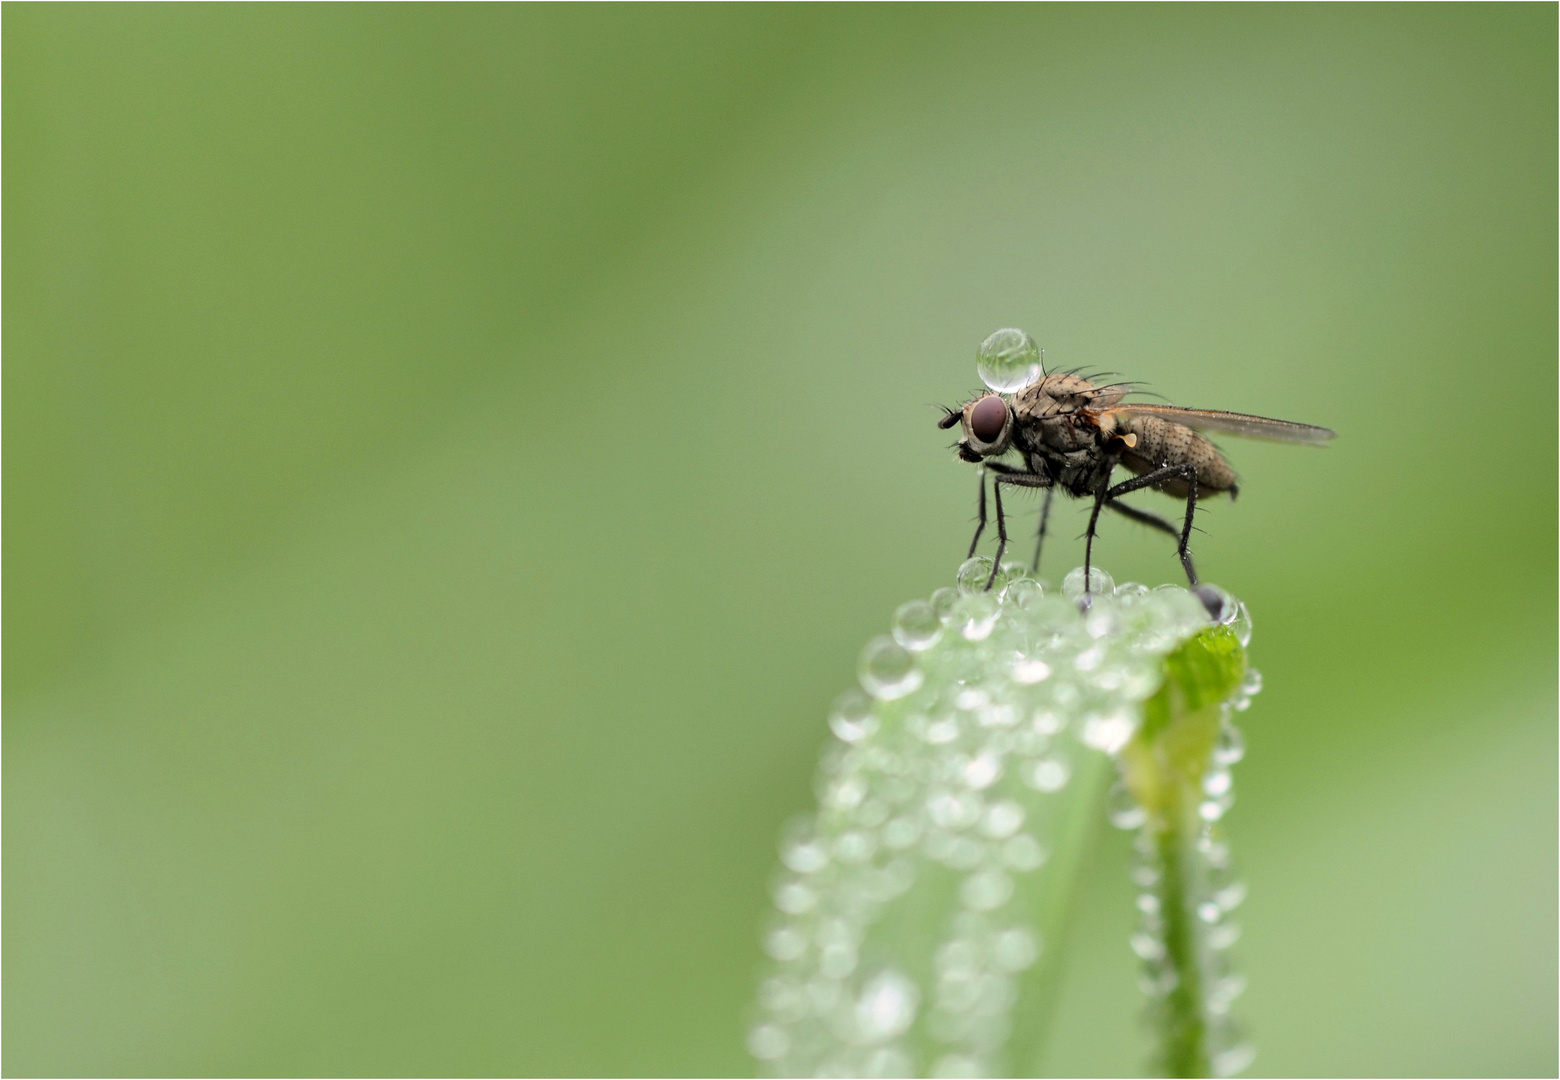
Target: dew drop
[[1100, 583], [1252, 683], [785, 943], [975, 615], [1023, 853], [956, 1067], [887, 1061], [851, 718], [768, 1042], [1217, 781], [887, 670], [1240, 622], [1029, 670], [1122, 809], [942, 601], [982, 771], [836, 960], [795, 898], [1015, 950], [1208, 911], [1109, 732], [886, 1007], [1023, 593], [1008, 360], [973, 575], [1148, 946], [1048, 774], [1235, 1060], [854, 846], [805, 858], [916, 625], [1230, 747], [986, 890], [901, 833], [1002, 819]]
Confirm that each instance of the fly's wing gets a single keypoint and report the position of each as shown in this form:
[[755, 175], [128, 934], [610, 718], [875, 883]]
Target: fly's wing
[[1229, 423]]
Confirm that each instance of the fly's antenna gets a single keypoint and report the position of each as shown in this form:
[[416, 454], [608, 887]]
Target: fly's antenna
[[948, 418]]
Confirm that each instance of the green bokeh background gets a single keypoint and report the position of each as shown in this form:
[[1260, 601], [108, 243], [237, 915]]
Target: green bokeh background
[[453, 456]]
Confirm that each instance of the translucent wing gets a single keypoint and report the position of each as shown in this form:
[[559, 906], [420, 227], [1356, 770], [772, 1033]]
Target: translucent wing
[[1230, 423]]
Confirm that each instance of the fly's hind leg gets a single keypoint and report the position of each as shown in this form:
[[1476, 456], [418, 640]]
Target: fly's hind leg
[[1185, 472]]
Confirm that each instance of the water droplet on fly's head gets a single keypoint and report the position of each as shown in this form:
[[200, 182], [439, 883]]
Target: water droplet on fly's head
[[1100, 583], [851, 718], [1008, 360], [917, 626], [887, 670], [973, 575]]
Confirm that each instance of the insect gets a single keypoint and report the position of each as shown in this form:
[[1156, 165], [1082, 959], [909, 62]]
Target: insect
[[1071, 434]]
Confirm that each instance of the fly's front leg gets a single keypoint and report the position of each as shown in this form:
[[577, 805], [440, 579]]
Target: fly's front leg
[[980, 511], [1013, 479], [1185, 472], [1045, 515]]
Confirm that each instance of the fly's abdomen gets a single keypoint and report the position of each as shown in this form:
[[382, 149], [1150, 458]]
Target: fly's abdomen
[[1161, 443]]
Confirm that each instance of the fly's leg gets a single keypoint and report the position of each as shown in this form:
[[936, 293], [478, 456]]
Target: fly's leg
[[1015, 479], [1088, 538], [1184, 472], [1045, 515], [980, 512], [1143, 517]]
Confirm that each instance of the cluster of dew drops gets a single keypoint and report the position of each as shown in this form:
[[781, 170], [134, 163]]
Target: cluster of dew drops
[[905, 906]]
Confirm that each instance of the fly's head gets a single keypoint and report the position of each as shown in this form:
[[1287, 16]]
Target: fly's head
[[988, 427]]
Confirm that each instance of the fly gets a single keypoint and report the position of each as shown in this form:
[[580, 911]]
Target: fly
[[1070, 434]]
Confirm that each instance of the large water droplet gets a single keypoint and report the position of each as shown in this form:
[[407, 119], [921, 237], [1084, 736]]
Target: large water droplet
[[916, 625], [886, 1007], [1008, 360], [887, 670]]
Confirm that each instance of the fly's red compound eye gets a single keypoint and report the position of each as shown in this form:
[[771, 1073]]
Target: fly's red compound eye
[[988, 418]]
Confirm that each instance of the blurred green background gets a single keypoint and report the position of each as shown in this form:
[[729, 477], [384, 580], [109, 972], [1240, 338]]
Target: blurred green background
[[453, 455]]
